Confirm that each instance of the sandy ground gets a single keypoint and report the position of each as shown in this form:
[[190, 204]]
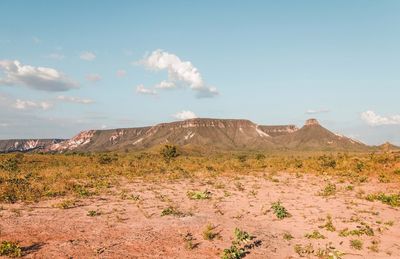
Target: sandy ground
[[128, 228]]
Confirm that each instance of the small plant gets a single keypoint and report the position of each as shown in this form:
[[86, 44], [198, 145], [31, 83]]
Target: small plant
[[169, 152], [134, 197], [329, 224], [172, 211], [279, 210], [10, 249], [189, 241], [314, 235], [209, 234], [287, 236], [198, 195], [93, 213], [233, 252], [242, 236], [329, 189], [356, 244], [383, 178]]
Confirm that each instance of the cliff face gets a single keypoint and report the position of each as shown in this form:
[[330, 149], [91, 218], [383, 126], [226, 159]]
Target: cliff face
[[205, 134], [25, 145]]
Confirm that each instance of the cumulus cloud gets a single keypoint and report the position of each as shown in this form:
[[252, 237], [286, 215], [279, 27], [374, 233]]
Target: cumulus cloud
[[93, 77], [373, 119], [72, 99], [165, 85], [87, 55], [140, 89], [121, 73], [178, 71], [184, 115], [39, 78], [317, 111], [25, 105]]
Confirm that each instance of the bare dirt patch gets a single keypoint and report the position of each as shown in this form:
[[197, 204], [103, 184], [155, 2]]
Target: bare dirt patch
[[168, 219]]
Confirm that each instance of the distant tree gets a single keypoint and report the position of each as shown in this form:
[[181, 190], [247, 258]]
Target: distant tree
[[169, 152]]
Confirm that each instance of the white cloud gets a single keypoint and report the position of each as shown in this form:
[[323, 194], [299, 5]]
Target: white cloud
[[93, 77], [87, 55], [165, 85], [178, 71], [316, 111], [56, 56], [72, 99], [121, 73], [373, 119], [140, 89], [24, 105], [4, 124], [184, 115], [39, 78]]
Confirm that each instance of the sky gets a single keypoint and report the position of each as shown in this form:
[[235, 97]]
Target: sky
[[68, 66]]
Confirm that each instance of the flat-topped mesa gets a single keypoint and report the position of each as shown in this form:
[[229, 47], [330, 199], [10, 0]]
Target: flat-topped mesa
[[205, 122], [311, 122]]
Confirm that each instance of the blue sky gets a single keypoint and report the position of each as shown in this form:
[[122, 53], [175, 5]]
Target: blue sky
[[273, 62]]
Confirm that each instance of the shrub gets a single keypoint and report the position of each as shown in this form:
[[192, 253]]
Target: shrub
[[169, 152], [329, 189], [10, 249]]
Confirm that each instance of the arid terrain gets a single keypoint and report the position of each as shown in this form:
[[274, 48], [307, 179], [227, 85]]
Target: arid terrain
[[254, 206]]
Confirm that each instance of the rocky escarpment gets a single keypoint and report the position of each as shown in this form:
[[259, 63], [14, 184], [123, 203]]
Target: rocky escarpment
[[26, 145], [202, 133]]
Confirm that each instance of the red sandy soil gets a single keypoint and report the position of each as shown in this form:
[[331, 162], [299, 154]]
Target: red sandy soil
[[135, 229]]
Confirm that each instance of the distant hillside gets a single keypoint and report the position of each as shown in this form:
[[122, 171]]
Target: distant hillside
[[210, 135], [312, 136], [25, 145]]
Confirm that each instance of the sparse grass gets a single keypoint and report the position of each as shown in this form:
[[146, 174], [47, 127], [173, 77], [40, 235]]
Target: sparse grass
[[34, 177], [390, 199], [93, 213], [314, 235], [279, 210], [199, 195], [172, 211], [329, 224], [209, 234], [356, 244], [362, 229], [190, 241], [328, 190], [287, 236], [10, 249]]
